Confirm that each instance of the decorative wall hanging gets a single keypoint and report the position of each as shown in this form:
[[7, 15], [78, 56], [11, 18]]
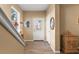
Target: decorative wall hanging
[[38, 25], [52, 23], [27, 24], [15, 19], [14, 14]]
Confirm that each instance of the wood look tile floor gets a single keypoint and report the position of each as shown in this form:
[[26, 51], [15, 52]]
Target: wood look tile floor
[[38, 47]]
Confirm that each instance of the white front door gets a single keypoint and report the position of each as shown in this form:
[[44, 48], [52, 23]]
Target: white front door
[[38, 29]]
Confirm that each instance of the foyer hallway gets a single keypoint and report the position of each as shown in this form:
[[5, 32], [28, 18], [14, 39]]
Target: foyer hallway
[[38, 47], [31, 26]]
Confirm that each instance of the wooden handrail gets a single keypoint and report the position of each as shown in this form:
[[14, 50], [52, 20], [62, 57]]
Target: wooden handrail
[[6, 23]]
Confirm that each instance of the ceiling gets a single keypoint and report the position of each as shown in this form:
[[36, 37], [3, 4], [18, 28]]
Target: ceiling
[[33, 7]]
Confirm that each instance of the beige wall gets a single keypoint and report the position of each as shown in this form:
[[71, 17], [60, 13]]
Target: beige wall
[[54, 39], [8, 43], [57, 28], [28, 33], [69, 18]]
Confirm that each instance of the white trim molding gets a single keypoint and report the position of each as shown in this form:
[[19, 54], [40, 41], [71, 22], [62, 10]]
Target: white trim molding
[[57, 52], [28, 40]]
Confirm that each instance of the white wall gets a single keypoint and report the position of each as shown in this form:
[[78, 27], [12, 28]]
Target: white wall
[[50, 34], [53, 36]]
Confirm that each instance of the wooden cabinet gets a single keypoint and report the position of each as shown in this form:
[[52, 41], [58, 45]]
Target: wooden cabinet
[[70, 43]]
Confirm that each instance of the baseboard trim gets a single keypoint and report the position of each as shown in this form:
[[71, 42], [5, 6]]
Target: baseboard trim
[[57, 52], [28, 40]]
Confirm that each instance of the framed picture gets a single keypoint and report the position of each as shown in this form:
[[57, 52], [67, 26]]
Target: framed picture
[[52, 23]]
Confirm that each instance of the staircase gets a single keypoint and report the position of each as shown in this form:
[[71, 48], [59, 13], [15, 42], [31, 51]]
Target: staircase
[[10, 40]]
